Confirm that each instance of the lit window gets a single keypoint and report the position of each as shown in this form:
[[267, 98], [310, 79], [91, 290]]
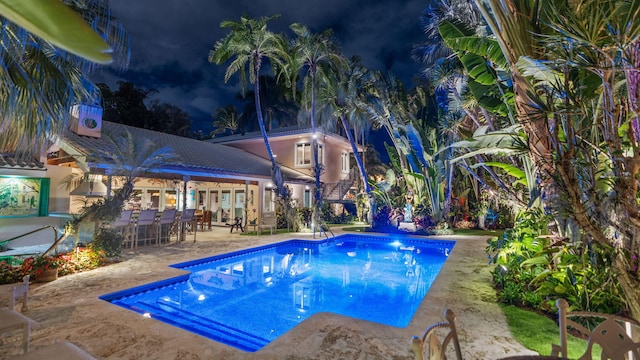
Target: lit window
[[303, 154], [345, 162]]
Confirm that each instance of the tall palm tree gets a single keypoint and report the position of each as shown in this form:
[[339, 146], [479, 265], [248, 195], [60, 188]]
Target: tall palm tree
[[346, 100], [251, 44], [317, 53], [277, 102], [39, 81], [433, 48]]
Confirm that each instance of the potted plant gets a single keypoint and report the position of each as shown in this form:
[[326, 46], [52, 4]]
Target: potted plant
[[44, 268]]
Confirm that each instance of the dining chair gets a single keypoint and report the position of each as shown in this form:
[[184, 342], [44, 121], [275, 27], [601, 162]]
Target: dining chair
[[614, 334], [204, 220], [429, 340]]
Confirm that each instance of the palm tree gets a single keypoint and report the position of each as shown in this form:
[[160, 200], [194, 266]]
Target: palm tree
[[39, 81], [433, 48], [345, 97], [251, 44], [226, 118], [317, 53], [277, 102]]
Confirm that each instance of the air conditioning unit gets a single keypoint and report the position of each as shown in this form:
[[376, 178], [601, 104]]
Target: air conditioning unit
[[86, 120]]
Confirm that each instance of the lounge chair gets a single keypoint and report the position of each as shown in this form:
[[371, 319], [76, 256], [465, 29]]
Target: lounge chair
[[11, 320], [429, 341], [268, 221], [614, 334]]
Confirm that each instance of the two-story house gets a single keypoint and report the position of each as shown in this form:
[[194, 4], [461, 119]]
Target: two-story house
[[230, 176], [292, 147]]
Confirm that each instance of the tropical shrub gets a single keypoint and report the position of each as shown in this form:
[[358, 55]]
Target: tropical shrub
[[83, 259], [533, 271], [108, 240]]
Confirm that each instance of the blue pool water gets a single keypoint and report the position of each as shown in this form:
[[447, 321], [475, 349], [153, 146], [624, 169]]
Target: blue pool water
[[248, 298]]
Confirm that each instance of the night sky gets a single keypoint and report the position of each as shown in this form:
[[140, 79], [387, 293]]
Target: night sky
[[170, 42]]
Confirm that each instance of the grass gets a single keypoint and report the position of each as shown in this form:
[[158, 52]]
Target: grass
[[537, 332], [357, 228], [497, 233]]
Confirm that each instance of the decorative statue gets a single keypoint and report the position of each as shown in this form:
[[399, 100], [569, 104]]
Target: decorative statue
[[407, 206]]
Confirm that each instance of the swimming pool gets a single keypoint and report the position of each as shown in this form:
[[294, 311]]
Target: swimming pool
[[248, 298]]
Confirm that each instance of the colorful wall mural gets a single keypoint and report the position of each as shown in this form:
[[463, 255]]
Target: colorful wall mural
[[23, 196]]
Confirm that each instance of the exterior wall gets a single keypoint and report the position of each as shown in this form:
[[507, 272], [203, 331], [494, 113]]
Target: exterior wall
[[284, 149], [59, 199]]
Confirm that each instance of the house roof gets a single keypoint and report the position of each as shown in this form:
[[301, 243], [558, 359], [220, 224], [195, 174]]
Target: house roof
[[12, 162], [193, 157], [289, 131]]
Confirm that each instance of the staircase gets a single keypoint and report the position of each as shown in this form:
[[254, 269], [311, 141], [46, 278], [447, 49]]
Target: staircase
[[335, 192]]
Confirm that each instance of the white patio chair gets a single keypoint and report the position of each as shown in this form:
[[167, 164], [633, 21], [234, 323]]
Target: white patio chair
[[11, 320], [614, 334], [268, 221]]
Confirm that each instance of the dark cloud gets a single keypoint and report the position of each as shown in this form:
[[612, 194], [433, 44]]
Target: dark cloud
[[170, 42]]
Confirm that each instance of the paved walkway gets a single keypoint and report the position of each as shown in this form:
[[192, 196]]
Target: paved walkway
[[68, 309]]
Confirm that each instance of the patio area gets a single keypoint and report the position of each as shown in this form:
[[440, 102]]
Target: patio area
[[68, 309]]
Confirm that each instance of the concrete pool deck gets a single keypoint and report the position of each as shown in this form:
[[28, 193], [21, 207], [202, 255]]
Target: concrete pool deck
[[68, 309]]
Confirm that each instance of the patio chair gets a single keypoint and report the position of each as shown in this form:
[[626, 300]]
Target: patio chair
[[268, 221], [237, 224], [429, 341], [188, 223], [147, 221], [11, 320], [204, 220], [165, 223], [124, 225], [614, 334]]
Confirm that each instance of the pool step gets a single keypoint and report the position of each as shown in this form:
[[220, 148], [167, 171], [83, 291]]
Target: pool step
[[201, 326]]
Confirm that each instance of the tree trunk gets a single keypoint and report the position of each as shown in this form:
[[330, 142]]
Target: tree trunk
[[356, 154], [276, 174]]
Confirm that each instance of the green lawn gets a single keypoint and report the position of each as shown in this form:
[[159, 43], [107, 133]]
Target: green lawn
[[497, 233], [537, 332]]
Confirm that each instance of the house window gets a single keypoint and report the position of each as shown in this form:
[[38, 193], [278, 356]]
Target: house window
[[303, 154], [307, 198], [269, 199], [344, 156]]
